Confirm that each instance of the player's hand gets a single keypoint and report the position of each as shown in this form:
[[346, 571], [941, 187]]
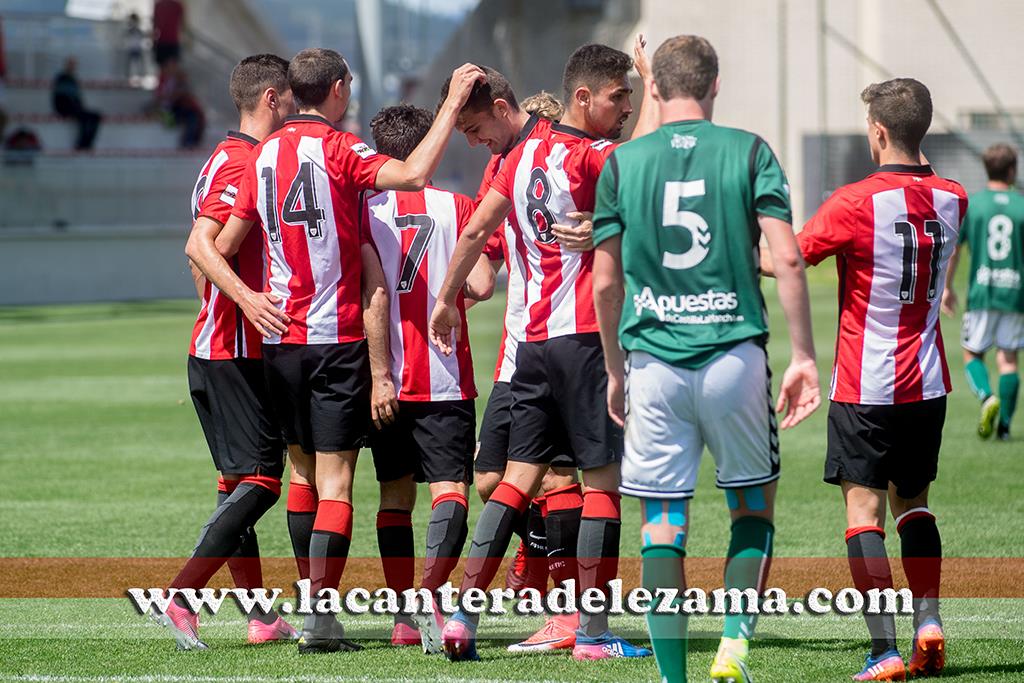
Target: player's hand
[[949, 302], [383, 402], [617, 398], [261, 310], [463, 80], [579, 237], [799, 395], [445, 326], [640, 61]]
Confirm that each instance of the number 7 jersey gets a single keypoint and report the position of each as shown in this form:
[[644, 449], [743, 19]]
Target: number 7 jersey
[[892, 234]]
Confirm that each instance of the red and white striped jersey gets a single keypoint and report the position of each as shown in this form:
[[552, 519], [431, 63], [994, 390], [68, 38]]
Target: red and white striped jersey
[[303, 183], [893, 234], [221, 331], [550, 174], [415, 234]]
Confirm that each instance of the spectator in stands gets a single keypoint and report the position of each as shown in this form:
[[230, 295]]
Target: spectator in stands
[[67, 102], [134, 44], [174, 96], [168, 20]]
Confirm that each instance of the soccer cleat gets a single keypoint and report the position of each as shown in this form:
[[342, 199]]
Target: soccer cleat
[[515, 577], [429, 631], [459, 641], [558, 633], [887, 666], [333, 641], [265, 633], [929, 655], [183, 624], [730, 664], [404, 634], [989, 415], [1003, 432], [605, 646]]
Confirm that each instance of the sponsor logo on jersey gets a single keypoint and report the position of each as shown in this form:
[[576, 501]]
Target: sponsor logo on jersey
[[229, 194], [706, 308], [683, 141], [600, 144], [363, 150], [1001, 199], [1007, 278]]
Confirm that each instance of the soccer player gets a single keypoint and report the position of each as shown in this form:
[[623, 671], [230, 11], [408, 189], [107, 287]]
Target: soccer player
[[433, 436], [679, 217], [559, 381], [225, 370], [993, 231], [326, 377], [892, 235]]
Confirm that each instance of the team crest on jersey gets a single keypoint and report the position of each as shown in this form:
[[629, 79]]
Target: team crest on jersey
[[363, 150], [600, 144], [683, 141]]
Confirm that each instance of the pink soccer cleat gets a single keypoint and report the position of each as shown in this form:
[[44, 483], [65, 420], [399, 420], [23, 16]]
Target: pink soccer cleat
[[265, 633], [404, 634], [183, 624], [459, 641]]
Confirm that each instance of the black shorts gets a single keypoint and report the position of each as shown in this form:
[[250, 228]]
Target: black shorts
[[431, 440], [492, 454], [233, 406], [559, 388], [320, 393], [875, 445]]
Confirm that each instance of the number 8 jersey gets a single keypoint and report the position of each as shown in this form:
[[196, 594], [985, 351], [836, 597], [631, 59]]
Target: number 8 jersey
[[303, 183], [892, 234]]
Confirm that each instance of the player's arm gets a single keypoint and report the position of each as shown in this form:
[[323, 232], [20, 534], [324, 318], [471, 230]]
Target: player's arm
[[415, 172], [480, 283], [209, 246], [376, 310], [949, 298], [609, 293], [445, 321], [799, 395], [198, 279], [648, 118]]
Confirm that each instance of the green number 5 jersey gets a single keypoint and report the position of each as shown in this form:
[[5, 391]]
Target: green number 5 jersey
[[994, 231], [685, 200]]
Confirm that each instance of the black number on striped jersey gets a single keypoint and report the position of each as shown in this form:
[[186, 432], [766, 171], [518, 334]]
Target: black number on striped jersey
[[197, 196], [300, 204], [424, 226], [537, 195], [908, 280], [270, 191]]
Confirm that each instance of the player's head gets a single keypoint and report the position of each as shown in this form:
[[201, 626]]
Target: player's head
[[260, 83], [1001, 163], [398, 129], [489, 115], [899, 114], [686, 67], [320, 79], [544, 105], [596, 87]]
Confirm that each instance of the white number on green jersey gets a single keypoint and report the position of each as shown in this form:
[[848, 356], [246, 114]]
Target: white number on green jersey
[[673, 217], [1000, 234]]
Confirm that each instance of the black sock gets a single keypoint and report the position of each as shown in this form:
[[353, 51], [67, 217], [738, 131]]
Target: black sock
[[302, 504], [598, 551], [222, 533], [446, 537], [922, 562], [328, 553], [564, 509], [536, 544], [397, 553], [869, 565]]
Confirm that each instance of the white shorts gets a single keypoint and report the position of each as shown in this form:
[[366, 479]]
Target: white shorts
[[984, 329], [673, 412]]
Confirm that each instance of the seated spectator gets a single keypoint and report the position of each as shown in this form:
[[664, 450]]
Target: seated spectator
[[174, 96], [67, 103]]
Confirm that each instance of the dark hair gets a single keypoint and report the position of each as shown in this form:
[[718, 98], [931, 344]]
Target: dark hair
[[312, 73], [685, 66], [594, 66], [398, 129], [904, 107], [1000, 162], [485, 92], [253, 75]]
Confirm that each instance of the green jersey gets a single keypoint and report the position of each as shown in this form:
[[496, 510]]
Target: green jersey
[[685, 200], [994, 232]]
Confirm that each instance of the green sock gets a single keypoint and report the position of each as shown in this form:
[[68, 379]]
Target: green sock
[[750, 550], [663, 568], [1009, 385], [977, 378]]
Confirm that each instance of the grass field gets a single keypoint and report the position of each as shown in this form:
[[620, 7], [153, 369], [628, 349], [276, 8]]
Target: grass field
[[103, 457]]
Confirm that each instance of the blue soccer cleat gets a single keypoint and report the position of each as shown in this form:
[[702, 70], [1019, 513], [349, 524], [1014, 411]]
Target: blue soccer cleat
[[605, 646]]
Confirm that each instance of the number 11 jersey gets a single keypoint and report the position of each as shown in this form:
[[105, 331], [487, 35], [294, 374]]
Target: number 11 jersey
[[892, 234], [303, 183]]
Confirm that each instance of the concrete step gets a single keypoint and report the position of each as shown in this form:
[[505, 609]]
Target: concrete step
[[115, 133], [34, 97]]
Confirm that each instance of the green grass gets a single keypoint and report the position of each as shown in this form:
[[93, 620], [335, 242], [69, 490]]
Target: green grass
[[103, 456]]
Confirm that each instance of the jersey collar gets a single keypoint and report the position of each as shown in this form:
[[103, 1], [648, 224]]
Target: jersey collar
[[924, 169], [524, 133], [242, 136], [310, 118], [569, 130]]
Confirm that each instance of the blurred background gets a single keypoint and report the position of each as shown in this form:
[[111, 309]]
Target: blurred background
[[109, 107]]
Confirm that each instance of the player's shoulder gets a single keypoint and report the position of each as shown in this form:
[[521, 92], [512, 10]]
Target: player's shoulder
[[949, 185]]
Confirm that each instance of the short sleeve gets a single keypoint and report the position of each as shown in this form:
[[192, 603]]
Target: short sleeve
[[965, 226], [222, 191], [485, 183], [364, 221], [607, 219], [771, 189], [494, 249], [830, 231], [248, 192], [463, 212], [502, 181], [359, 162]]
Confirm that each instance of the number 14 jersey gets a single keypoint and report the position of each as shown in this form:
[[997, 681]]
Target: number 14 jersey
[[892, 234]]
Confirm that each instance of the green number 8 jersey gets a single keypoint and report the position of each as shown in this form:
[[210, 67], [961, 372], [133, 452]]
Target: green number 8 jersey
[[685, 200], [994, 232]]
